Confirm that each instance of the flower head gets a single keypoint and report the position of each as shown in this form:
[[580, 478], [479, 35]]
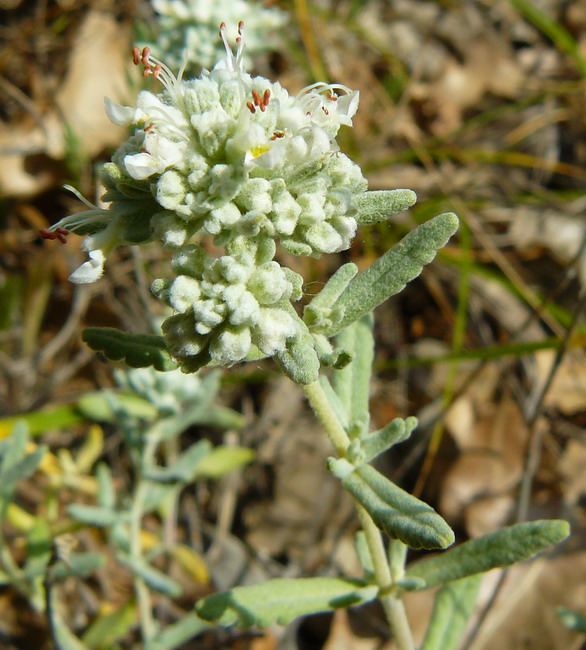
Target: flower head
[[237, 158]]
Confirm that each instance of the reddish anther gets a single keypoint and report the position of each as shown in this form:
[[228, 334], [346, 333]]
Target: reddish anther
[[146, 52], [157, 70], [135, 55], [277, 134], [60, 234], [256, 97], [240, 27], [250, 107], [325, 110], [266, 96], [332, 97], [222, 29], [147, 72]]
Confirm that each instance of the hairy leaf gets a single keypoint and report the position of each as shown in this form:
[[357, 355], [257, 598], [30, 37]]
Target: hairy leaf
[[452, 608], [137, 350], [282, 600], [378, 205], [391, 272], [495, 550]]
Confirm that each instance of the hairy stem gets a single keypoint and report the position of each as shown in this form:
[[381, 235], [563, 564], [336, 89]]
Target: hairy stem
[[392, 605]]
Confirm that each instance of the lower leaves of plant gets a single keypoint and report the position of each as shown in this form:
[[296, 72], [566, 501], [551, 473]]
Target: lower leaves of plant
[[282, 600]]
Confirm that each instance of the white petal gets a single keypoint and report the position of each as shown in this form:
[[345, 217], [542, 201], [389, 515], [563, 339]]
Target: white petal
[[118, 114], [140, 165], [91, 270]]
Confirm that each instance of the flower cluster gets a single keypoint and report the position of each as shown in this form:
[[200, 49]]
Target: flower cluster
[[189, 27], [237, 158]]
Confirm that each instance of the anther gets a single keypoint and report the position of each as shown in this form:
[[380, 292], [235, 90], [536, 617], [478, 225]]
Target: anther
[[277, 134], [146, 52], [325, 110], [332, 97], [266, 96], [222, 29], [157, 70], [135, 55], [250, 107], [256, 97]]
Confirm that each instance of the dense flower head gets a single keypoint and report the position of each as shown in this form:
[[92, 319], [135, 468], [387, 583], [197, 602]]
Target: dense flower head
[[236, 158], [189, 28]]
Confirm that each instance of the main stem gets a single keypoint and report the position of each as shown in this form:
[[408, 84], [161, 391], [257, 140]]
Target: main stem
[[392, 605]]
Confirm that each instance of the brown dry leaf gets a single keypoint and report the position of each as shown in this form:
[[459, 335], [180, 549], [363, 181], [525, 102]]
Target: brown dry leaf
[[524, 615], [567, 392], [492, 440], [572, 467], [80, 106]]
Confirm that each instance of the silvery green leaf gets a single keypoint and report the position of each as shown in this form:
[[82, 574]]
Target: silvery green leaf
[[391, 272], [154, 578], [334, 400], [352, 383], [222, 460], [379, 205], [81, 565], [393, 433], [94, 515], [318, 313], [299, 359], [106, 490], [184, 468], [96, 406], [363, 553], [282, 600], [401, 515], [498, 549], [137, 350], [453, 605], [64, 637], [185, 629]]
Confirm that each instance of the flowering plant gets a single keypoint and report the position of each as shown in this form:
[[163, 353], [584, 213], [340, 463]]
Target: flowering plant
[[236, 159]]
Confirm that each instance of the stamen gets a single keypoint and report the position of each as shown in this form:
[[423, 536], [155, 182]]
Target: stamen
[[266, 96], [135, 55], [59, 233], [250, 107], [256, 98], [277, 134]]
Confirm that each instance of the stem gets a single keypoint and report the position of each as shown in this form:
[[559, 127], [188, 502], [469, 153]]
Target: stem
[[392, 605], [326, 415], [147, 622]]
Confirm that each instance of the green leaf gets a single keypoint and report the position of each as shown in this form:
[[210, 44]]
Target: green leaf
[[318, 313], [299, 360], [352, 383], [572, 620], [379, 205], [81, 565], [495, 550], [154, 578], [452, 608], [401, 515], [391, 272], [60, 417], [185, 467], [137, 350], [393, 433], [223, 460], [97, 406], [335, 402], [106, 490], [282, 600], [178, 633], [94, 515], [104, 631]]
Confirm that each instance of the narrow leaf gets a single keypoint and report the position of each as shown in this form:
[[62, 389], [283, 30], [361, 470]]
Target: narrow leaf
[[93, 515], [379, 205], [137, 350], [185, 467], [401, 515], [96, 406], [335, 402], [223, 460], [495, 550], [393, 433], [154, 578], [178, 633], [452, 608], [352, 383], [104, 631], [282, 600], [391, 272], [318, 313]]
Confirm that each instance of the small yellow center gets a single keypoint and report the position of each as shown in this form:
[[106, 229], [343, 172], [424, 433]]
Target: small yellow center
[[259, 150]]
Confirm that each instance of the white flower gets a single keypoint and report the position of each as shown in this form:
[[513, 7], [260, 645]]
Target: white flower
[[189, 28]]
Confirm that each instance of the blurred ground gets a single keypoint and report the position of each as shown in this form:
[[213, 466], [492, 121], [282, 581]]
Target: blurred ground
[[480, 107]]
